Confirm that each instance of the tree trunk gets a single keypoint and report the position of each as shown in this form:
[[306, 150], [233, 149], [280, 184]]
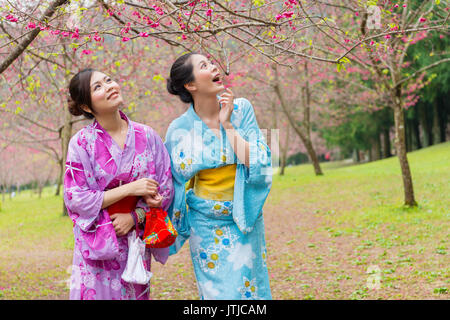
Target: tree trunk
[[436, 123], [408, 135], [422, 116], [313, 157], [356, 158], [400, 145], [303, 135], [284, 152], [416, 143], [375, 150], [386, 144]]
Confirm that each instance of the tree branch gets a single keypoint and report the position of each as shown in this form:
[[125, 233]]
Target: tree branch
[[422, 70], [31, 36]]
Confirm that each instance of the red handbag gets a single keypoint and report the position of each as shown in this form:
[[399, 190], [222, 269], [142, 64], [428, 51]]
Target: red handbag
[[159, 231]]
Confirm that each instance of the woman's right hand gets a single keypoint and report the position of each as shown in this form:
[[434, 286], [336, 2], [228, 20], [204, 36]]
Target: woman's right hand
[[143, 187], [154, 201]]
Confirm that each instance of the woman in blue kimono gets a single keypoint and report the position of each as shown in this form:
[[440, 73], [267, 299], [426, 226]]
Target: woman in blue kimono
[[222, 174]]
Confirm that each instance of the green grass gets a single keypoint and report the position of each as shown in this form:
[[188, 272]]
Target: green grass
[[322, 234], [361, 206], [36, 243]]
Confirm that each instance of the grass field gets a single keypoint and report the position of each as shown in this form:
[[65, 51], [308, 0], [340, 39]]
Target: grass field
[[344, 235]]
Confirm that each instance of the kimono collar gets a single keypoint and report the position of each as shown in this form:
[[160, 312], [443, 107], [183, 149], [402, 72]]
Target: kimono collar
[[97, 127]]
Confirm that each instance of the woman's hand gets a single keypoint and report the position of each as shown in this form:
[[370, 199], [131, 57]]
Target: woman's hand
[[154, 201], [122, 223], [227, 102], [143, 187]]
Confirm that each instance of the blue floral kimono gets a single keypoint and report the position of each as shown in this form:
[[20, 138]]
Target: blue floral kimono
[[226, 238]]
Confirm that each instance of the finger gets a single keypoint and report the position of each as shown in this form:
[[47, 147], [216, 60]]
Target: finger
[[226, 99], [114, 216], [226, 94], [152, 202], [224, 103], [153, 182]]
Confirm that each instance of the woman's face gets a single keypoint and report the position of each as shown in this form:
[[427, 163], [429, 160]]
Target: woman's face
[[207, 76], [105, 93]]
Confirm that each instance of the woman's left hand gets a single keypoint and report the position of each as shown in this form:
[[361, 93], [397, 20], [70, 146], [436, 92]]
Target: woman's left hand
[[122, 223], [227, 102]]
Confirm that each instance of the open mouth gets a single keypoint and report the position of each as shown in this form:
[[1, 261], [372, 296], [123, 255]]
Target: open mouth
[[217, 79], [115, 94]]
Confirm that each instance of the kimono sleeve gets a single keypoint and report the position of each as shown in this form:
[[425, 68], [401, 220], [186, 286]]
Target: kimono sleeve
[[94, 233], [83, 202], [163, 172], [177, 210], [163, 176], [260, 164], [253, 183]]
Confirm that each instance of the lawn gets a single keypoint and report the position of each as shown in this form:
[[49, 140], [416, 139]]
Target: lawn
[[344, 235]]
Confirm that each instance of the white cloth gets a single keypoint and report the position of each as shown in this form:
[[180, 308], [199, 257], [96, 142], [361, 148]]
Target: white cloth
[[135, 271]]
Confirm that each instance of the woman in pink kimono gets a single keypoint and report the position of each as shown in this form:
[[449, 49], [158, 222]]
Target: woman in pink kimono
[[109, 160]]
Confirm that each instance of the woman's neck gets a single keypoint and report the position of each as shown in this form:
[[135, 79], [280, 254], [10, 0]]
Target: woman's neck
[[112, 123], [207, 107]]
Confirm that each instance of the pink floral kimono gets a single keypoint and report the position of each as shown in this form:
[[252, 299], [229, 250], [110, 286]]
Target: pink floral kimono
[[95, 163]]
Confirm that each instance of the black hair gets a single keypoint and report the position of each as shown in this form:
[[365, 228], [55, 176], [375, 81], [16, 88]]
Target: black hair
[[181, 74], [80, 93]]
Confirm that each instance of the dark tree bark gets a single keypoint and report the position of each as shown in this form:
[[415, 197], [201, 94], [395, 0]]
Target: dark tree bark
[[301, 132], [400, 146], [386, 144]]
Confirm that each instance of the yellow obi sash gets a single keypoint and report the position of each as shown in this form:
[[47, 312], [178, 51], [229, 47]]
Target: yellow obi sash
[[215, 183]]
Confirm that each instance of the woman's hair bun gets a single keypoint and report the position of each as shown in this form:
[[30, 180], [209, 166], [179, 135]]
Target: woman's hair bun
[[73, 108], [170, 87]]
